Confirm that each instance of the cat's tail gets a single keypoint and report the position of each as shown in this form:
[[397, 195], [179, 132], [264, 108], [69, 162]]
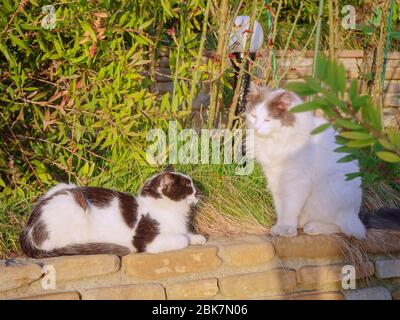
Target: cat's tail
[[74, 249], [384, 219]]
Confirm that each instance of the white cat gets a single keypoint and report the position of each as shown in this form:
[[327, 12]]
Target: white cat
[[70, 220], [307, 183]]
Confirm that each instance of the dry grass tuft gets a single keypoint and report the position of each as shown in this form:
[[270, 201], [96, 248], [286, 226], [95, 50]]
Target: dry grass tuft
[[380, 195], [356, 251], [211, 222]]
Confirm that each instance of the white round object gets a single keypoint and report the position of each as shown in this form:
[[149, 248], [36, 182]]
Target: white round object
[[239, 34]]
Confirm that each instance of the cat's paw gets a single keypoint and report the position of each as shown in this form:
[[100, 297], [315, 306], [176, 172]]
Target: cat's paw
[[315, 227], [197, 239], [284, 231]]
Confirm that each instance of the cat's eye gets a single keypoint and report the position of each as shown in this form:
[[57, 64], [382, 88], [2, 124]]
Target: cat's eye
[[266, 120]]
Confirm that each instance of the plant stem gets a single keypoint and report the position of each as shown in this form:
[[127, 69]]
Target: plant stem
[[198, 58], [218, 66], [318, 35], [232, 110]]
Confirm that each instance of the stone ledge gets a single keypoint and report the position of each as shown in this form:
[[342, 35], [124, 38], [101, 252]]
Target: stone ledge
[[373, 293], [247, 251], [387, 268], [306, 246], [197, 289], [77, 267], [245, 267], [171, 264], [126, 292], [329, 273], [73, 295], [258, 284], [311, 295], [18, 273]]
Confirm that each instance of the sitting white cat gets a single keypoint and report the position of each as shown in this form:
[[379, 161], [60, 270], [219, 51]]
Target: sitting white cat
[[308, 185]]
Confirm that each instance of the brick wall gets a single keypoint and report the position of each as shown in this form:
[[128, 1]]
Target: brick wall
[[292, 67], [252, 267]]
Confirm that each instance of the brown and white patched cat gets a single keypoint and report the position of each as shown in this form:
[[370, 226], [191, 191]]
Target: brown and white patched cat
[[71, 220]]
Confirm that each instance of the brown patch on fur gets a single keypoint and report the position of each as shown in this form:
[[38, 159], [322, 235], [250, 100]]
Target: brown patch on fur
[[146, 232], [100, 197], [176, 187], [39, 229], [128, 207], [278, 108], [79, 198], [40, 233], [150, 188]]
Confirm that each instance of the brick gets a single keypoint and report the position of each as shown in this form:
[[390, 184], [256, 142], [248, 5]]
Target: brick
[[247, 251], [392, 73], [18, 273], [163, 52], [163, 74], [163, 87], [77, 267], [163, 62], [126, 292], [73, 295], [394, 55], [310, 296], [295, 62], [329, 273], [387, 268], [396, 294], [198, 289], [391, 116], [172, 263], [374, 293], [306, 246], [392, 86], [318, 296], [391, 100], [259, 284]]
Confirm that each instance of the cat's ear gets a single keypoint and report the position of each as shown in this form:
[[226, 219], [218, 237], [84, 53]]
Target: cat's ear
[[254, 93], [282, 101], [169, 168], [167, 179]]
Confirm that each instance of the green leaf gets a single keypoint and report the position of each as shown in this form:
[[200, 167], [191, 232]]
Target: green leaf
[[321, 67], [387, 145], [360, 143], [388, 156], [300, 88], [348, 124], [394, 137], [321, 128], [2, 183], [353, 175], [343, 149], [353, 90], [17, 41], [345, 159], [307, 106], [355, 135], [8, 56]]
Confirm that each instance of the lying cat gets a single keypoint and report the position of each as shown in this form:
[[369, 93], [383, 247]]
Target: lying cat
[[71, 220], [309, 187]]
